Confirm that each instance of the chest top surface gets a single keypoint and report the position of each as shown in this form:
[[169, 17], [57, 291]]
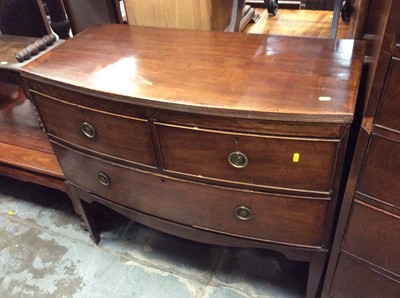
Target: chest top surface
[[228, 74]]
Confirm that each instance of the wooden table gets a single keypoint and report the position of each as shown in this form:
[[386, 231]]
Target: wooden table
[[25, 151], [223, 138]]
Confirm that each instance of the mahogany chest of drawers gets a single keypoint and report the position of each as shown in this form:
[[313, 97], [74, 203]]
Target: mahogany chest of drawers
[[222, 138], [365, 260]]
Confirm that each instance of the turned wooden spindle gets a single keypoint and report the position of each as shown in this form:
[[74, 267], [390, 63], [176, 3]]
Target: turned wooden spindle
[[35, 48], [23, 55], [49, 39], [41, 44]]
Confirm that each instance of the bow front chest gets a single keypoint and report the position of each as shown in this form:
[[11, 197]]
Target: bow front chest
[[223, 138]]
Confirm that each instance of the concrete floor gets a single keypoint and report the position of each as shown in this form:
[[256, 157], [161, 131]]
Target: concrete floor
[[45, 253]]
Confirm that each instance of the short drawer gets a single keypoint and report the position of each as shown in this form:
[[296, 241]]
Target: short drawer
[[290, 163], [389, 109], [380, 177], [354, 279], [246, 214], [117, 136], [374, 235]]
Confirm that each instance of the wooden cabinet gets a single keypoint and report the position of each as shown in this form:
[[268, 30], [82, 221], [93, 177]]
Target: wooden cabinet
[[206, 15], [365, 256], [192, 133]]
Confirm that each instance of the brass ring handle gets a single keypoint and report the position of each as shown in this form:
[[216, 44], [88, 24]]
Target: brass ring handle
[[243, 213], [88, 130], [238, 159], [103, 179]]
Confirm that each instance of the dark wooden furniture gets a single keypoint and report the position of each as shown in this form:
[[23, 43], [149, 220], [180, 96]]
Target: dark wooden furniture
[[365, 257], [195, 134], [23, 18], [25, 151], [58, 19], [83, 14], [28, 18]]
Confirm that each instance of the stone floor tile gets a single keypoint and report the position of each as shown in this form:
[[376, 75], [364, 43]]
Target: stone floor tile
[[161, 250], [47, 265], [225, 292], [262, 273], [40, 206]]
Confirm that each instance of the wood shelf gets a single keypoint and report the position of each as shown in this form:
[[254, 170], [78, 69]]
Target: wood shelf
[[32, 160], [25, 151]]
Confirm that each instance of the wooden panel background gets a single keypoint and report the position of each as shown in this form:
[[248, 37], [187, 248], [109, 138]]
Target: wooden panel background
[[184, 14]]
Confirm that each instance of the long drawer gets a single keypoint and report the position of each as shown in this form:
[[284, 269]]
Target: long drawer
[[117, 136], [266, 217], [388, 114], [277, 162], [374, 235], [380, 177], [355, 279]]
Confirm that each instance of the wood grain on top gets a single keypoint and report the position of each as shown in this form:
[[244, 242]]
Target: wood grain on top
[[230, 74]]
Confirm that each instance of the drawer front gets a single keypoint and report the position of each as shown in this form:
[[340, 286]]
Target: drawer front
[[274, 218], [353, 279], [120, 137], [389, 110], [293, 163], [380, 177], [374, 235]]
